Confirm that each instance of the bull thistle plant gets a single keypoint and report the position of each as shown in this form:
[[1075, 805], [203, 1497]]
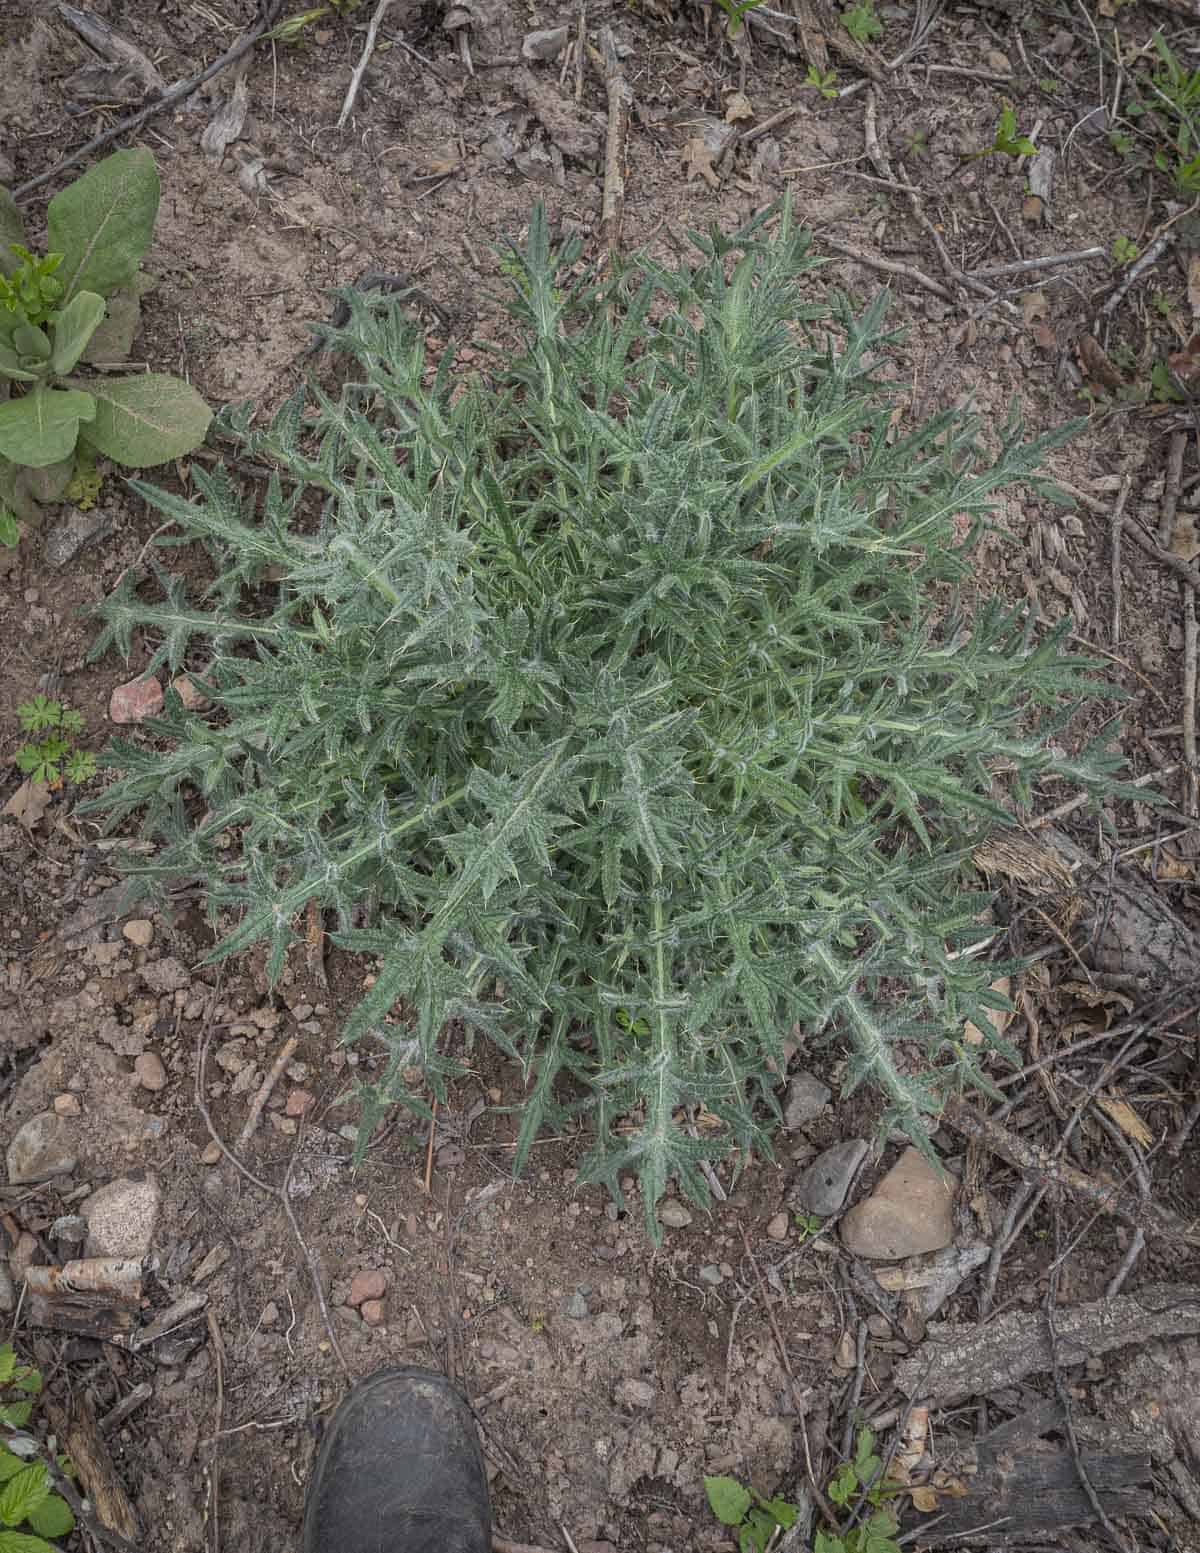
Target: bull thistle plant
[[608, 701]]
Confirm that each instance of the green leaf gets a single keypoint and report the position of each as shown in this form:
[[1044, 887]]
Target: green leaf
[[43, 427], [34, 709], [10, 366], [824, 1543], [843, 1485], [22, 1542], [33, 715], [32, 341], [23, 1493], [104, 222], [782, 1512], [727, 1499], [54, 1518], [16, 1414], [12, 230], [10, 1464], [145, 420], [114, 337], [77, 323]]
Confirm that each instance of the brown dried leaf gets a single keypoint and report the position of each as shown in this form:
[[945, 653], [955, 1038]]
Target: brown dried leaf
[[1033, 210], [1193, 284], [1126, 1118], [1034, 305], [697, 158], [1096, 364], [1169, 866], [28, 803], [737, 107], [924, 1499]]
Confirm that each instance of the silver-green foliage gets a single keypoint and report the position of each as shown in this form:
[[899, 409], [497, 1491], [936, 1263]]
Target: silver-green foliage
[[606, 702], [78, 304]]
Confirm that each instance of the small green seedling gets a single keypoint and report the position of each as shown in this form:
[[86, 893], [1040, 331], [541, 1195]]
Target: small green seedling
[[54, 757], [809, 1225], [860, 21], [27, 1499], [1007, 141], [79, 303], [756, 1519], [823, 81], [292, 28], [860, 1484], [736, 11], [1124, 250]]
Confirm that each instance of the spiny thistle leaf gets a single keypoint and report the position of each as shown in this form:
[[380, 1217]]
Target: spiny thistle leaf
[[606, 700]]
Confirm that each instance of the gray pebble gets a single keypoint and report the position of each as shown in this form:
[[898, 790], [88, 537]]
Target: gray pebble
[[711, 1273], [822, 1188]]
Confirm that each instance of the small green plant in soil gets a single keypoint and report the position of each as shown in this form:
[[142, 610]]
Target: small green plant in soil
[[823, 81], [30, 1510], [754, 1518], [736, 10], [79, 304], [861, 22], [1166, 111], [51, 755], [617, 701], [1007, 140], [860, 1487], [1124, 251]]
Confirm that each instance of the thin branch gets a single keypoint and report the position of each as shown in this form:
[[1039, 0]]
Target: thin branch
[[361, 68], [179, 91]]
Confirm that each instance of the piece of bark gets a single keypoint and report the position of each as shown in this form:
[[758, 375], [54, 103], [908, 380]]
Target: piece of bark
[[81, 1439], [1031, 1488], [94, 1297], [958, 1362]]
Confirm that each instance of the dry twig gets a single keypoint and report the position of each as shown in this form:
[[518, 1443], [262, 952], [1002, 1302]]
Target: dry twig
[[264, 1091], [612, 210], [361, 68], [178, 92]]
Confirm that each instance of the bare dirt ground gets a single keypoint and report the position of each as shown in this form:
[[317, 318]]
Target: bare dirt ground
[[608, 1377]]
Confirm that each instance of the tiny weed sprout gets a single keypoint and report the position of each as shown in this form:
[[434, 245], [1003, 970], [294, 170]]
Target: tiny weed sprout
[[1124, 251], [736, 10], [53, 758], [30, 1510], [78, 305], [754, 1518], [861, 22], [823, 81], [1007, 141], [617, 702]]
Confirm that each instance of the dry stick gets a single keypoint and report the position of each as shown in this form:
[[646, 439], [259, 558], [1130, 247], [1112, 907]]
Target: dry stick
[[1064, 1399], [1037, 1164], [1137, 1243], [361, 68], [612, 210], [580, 49], [1184, 1131], [433, 1110], [1019, 266], [1115, 523], [892, 267], [180, 90], [1139, 536], [1000, 1245], [814, 1487], [218, 1347], [264, 1091], [1139, 266]]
